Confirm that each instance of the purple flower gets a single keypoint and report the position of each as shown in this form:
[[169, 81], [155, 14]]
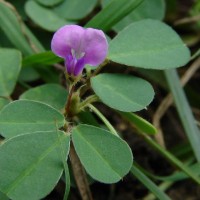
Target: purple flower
[[79, 46]]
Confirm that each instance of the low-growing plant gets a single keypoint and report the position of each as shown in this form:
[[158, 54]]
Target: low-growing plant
[[51, 131]]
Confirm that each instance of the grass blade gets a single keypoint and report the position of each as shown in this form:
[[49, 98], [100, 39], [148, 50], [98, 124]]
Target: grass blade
[[139, 123], [13, 30], [148, 183], [170, 157], [184, 111], [16, 31], [113, 13]]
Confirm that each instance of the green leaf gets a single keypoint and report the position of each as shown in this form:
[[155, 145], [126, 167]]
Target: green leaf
[[184, 111], [113, 13], [9, 70], [3, 196], [105, 2], [28, 74], [148, 183], [24, 116], [45, 58], [3, 102], [49, 74], [49, 2], [154, 9], [4, 41], [34, 42], [11, 27], [139, 123], [46, 94], [97, 150], [74, 9], [87, 117], [149, 44], [44, 17], [123, 92], [19, 5], [156, 76], [32, 164]]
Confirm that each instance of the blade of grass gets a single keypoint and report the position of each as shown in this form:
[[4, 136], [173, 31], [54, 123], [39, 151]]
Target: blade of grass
[[44, 58], [16, 31], [33, 41], [139, 123], [170, 157], [184, 111], [196, 54], [148, 183], [10, 25], [176, 175], [113, 13], [163, 187], [168, 181]]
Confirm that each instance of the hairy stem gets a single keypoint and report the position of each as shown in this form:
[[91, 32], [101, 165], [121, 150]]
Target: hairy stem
[[78, 171], [80, 175], [69, 100]]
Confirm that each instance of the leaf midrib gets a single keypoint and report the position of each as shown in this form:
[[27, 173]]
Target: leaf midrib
[[31, 167], [98, 154], [144, 52], [119, 94]]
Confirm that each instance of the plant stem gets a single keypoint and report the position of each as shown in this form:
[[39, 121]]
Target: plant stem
[[99, 68], [88, 101], [78, 171], [104, 120], [87, 81], [69, 100], [80, 175]]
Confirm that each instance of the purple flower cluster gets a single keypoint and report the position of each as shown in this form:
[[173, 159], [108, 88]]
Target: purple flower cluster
[[79, 46]]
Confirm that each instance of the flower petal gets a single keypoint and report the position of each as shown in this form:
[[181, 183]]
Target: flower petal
[[74, 66], [79, 66], [67, 38], [95, 46], [70, 63]]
